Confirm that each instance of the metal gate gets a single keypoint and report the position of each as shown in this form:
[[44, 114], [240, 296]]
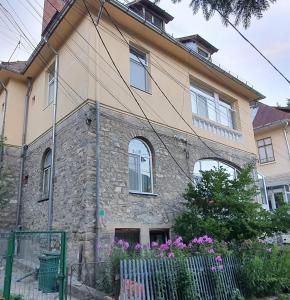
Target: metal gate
[[33, 265]]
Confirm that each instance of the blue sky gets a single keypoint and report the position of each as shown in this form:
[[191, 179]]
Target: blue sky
[[271, 35]]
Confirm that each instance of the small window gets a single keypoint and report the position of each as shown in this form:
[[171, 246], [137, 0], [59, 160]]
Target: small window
[[51, 83], [130, 235], [202, 52], [140, 167], [159, 235], [265, 150], [138, 69], [46, 174]]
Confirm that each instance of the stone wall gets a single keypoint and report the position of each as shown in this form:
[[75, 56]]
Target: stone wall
[[74, 185], [11, 166], [122, 209]]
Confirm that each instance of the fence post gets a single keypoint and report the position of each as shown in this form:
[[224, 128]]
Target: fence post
[[9, 265], [62, 267]]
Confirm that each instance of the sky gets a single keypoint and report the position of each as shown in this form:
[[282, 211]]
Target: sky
[[271, 35]]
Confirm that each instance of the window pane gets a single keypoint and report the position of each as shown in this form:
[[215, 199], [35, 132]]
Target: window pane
[[268, 141], [157, 22], [130, 235], [46, 182], [134, 172], [208, 164], [146, 174], [51, 91], [138, 56], [193, 103], [269, 151], [230, 170], [138, 76], [211, 110], [260, 143], [201, 106], [262, 154], [136, 146], [148, 16]]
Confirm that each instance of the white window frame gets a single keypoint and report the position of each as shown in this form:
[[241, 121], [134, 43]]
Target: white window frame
[[144, 66], [140, 183], [51, 82], [219, 162], [218, 102], [46, 176], [268, 159]]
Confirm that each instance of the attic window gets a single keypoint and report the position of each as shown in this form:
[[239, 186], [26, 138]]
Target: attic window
[[202, 52]]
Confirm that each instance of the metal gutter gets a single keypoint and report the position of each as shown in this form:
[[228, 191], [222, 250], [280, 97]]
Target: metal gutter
[[23, 154], [271, 125], [4, 121]]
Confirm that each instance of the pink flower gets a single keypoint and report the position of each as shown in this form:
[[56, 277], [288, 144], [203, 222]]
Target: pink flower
[[220, 267], [138, 247], [213, 268], [169, 242], [120, 243], [164, 247], [181, 246], [210, 251], [171, 254], [194, 241], [125, 245], [154, 244], [161, 254], [218, 259]]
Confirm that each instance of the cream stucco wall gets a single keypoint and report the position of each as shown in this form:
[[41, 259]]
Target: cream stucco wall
[[88, 71], [281, 165], [14, 111]]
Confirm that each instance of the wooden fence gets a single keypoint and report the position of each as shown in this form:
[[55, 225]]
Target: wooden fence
[[179, 279]]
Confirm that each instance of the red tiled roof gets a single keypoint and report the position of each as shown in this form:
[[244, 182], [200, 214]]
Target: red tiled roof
[[269, 114], [13, 66]]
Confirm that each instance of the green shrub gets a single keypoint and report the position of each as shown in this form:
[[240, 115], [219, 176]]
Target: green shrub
[[265, 269]]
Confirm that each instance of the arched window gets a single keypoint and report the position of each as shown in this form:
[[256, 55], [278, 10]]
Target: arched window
[[140, 167], [210, 164], [46, 169]]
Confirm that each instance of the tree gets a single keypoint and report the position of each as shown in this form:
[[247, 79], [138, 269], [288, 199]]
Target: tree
[[223, 208], [241, 10]]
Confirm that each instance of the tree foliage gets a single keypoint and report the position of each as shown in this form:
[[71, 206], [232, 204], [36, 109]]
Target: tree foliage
[[223, 208], [241, 10]]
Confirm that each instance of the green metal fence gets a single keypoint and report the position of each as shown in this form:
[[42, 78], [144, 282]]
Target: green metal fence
[[33, 265], [179, 279]]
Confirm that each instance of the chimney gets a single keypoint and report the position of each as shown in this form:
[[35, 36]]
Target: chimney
[[50, 9]]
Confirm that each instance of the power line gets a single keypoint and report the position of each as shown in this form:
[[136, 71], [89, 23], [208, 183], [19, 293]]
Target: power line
[[249, 42], [125, 82], [17, 46]]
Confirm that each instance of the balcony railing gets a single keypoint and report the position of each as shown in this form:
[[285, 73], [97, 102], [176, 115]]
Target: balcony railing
[[216, 128]]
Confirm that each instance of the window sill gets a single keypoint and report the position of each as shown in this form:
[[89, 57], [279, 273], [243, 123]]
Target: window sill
[[143, 194], [147, 92], [44, 199], [268, 163]]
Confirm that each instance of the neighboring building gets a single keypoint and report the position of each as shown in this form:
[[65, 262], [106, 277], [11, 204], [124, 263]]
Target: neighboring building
[[272, 134], [113, 177]]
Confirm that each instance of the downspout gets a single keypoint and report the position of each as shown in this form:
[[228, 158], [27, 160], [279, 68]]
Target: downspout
[[286, 137], [3, 123], [23, 154], [97, 179], [51, 179]]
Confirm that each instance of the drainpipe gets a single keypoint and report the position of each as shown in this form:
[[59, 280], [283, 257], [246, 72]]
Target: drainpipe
[[23, 153], [3, 123], [286, 137], [51, 179]]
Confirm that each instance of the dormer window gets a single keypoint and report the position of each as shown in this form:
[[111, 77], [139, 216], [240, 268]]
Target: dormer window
[[150, 12], [203, 53]]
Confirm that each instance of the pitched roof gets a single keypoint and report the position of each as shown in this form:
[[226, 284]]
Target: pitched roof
[[13, 66], [267, 115]]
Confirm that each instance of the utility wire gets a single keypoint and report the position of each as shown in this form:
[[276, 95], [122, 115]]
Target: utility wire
[[14, 51], [249, 42], [125, 82]]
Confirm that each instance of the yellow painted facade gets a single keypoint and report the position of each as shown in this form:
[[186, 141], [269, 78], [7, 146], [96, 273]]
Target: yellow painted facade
[[281, 165], [87, 73]]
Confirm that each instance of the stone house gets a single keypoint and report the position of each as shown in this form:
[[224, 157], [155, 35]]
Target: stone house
[[106, 158], [271, 128]]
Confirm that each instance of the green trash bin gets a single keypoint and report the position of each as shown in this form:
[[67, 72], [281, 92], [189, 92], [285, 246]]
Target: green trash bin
[[48, 272]]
